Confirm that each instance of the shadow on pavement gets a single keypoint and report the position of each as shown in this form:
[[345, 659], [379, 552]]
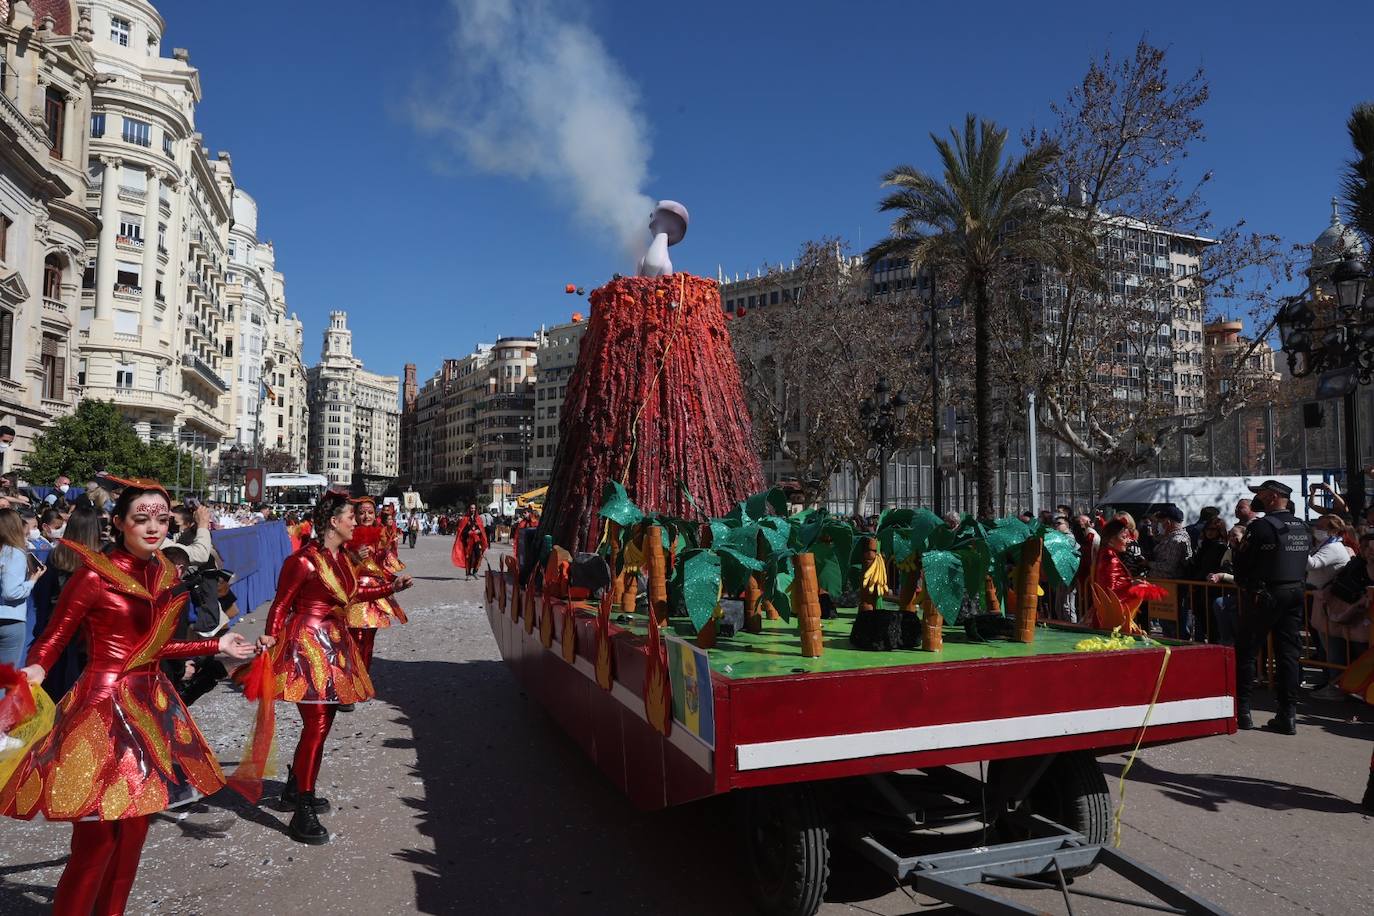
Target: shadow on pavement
[[1212, 791], [522, 822], [16, 899]]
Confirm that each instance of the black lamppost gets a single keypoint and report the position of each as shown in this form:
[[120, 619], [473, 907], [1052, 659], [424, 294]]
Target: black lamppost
[[883, 416], [1342, 350]]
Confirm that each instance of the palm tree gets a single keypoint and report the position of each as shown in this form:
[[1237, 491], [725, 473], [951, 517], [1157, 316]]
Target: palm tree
[[1359, 172], [987, 211]]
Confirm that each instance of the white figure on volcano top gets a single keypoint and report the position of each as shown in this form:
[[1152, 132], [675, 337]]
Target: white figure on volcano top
[[668, 225]]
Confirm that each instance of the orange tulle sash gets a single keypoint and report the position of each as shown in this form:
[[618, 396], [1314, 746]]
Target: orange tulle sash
[[258, 760]]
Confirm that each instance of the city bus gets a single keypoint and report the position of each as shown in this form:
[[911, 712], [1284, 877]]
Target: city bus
[[293, 491]]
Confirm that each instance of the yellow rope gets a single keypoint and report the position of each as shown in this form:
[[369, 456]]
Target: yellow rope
[[1121, 802]]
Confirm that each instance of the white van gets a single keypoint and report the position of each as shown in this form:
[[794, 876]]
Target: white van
[[1145, 495]]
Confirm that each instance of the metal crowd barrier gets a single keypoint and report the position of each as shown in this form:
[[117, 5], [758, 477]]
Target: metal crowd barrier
[[1169, 610]]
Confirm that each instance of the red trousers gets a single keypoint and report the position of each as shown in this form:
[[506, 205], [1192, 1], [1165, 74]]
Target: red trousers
[[101, 870], [364, 637], [316, 720]]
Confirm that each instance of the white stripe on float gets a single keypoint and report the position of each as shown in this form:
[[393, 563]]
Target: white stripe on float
[[795, 751]]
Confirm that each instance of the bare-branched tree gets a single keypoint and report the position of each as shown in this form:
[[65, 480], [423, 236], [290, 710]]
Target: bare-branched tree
[[1114, 338], [809, 362]]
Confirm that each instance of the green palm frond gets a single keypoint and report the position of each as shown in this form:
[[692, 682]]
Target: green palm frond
[[1358, 181]]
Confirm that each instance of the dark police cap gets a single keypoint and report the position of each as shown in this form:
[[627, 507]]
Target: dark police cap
[[1274, 486]]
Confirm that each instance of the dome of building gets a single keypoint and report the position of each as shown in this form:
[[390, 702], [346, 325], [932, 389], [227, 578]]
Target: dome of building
[[1336, 241]]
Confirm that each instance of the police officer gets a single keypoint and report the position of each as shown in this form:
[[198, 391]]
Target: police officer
[[1270, 569]]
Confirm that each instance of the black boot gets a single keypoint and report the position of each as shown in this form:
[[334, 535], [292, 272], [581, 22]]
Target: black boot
[[289, 795], [345, 707], [1368, 801], [305, 826], [1244, 721], [1285, 721]]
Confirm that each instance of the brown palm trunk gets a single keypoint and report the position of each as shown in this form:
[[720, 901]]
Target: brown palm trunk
[[1027, 585], [658, 573], [808, 606], [753, 606]]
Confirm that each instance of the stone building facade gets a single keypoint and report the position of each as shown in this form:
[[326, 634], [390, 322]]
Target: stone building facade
[[354, 415], [47, 69]]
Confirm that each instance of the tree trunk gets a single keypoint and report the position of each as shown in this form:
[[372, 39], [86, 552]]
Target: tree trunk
[[982, 398], [861, 492]]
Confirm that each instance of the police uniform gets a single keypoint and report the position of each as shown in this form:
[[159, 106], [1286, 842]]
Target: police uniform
[[1271, 569]]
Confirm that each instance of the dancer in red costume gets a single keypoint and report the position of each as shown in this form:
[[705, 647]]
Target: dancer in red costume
[[1112, 576], [469, 543], [528, 519], [123, 746], [316, 663], [373, 552]]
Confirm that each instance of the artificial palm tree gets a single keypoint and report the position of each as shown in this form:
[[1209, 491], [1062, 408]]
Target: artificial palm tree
[[1359, 172], [985, 212]]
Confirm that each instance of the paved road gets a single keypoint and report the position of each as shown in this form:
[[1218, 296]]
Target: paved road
[[454, 794]]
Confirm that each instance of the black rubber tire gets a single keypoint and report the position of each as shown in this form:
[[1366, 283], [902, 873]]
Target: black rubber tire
[[784, 847], [1072, 792]]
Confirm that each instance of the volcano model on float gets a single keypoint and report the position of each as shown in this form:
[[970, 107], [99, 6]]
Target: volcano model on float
[[655, 402]]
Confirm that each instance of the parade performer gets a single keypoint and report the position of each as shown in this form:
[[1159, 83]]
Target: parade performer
[[1113, 577], [373, 552], [315, 661], [528, 519], [469, 542], [123, 746]]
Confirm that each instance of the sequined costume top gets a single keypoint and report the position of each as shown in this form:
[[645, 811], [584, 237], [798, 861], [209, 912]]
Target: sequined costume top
[[315, 660], [379, 567], [123, 744]]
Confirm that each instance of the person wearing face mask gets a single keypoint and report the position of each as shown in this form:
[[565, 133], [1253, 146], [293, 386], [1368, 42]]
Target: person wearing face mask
[[18, 573], [1271, 568], [1329, 556], [140, 749], [6, 439]]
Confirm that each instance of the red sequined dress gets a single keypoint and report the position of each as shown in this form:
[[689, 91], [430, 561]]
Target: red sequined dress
[[378, 568], [315, 660], [123, 744]]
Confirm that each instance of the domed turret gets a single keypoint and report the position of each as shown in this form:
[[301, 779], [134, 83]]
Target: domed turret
[[1336, 242]]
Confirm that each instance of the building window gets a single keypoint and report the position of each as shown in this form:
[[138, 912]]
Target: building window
[[52, 277], [124, 375], [139, 132], [119, 31], [6, 341], [54, 113], [81, 372], [131, 227], [98, 124], [54, 369], [5, 223], [167, 146]]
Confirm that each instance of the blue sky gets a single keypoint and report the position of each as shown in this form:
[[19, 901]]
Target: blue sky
[[772, 121]]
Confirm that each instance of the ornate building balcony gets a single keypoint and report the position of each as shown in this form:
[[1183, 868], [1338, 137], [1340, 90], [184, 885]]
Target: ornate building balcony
[[142, 398], [192, 364]]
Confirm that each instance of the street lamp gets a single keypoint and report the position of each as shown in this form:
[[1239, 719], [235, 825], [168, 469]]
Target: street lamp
[[1342, 350], [883, 416]]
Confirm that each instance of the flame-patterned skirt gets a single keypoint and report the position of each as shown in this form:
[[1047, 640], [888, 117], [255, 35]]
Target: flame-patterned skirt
[[121, 746], [317, 661], [374, 615]]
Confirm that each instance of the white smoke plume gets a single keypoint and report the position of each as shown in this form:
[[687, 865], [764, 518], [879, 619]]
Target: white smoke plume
[[537, 96]]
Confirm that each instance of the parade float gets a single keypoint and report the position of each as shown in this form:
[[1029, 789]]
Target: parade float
[[696, 637]]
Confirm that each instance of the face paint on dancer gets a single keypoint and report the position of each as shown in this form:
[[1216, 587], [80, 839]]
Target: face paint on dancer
[[144, 525]]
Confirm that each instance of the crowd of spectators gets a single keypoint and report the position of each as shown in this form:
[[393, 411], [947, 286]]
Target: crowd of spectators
[[35, 566]]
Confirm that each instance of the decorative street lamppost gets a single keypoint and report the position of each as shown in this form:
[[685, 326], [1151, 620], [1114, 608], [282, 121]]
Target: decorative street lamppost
[[1342, 350], [883, 416]]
